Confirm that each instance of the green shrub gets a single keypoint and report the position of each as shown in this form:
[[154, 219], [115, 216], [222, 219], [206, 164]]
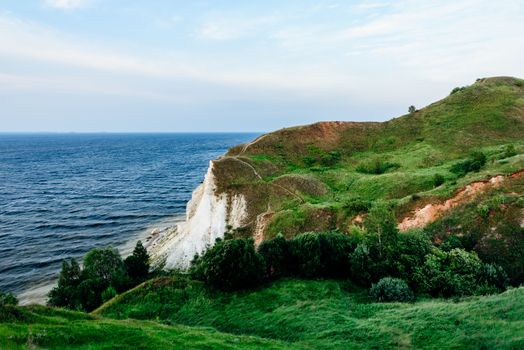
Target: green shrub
[[375, 166], [412, 247], [321, 254], [457, 89], [108, 294], [474, 163], [457, 273], [7, 299], [509, 151], [330, 158], [276, 256], [391, 289], [230, 265], [438, 180], [356, 205]]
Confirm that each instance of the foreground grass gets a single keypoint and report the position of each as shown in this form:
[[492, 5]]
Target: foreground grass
[[331, 315], [39, 327]]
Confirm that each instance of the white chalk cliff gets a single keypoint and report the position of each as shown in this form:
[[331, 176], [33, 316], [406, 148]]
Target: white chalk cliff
[[208, 216]]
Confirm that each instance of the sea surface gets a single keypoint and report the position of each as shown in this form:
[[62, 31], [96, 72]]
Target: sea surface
[[64, 194]]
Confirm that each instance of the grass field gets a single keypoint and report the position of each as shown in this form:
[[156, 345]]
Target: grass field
[[330, 314], [173, 313]]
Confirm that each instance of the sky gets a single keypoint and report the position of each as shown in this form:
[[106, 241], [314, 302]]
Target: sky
[[206, 66]]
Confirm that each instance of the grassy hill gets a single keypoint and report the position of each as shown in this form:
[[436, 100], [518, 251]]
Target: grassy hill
[[173, 313], [288, 314], [325, 176], [38, 327]]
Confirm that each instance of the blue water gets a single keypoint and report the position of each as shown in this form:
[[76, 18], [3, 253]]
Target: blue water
[[64, 194]]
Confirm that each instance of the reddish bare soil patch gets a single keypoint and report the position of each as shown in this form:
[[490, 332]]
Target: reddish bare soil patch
[[421, 217]]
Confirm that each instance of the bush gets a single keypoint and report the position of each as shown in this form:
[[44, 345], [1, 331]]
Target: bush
[[276, 256], [321, 254], [356, 205], [391, 289], [375, 166], [230, 265], [509, 151], [474, 163], [330, 158], [438, 180], [412, 247], [7, 299], [457, 273], [412, 109], [108, 294], [457, 89]]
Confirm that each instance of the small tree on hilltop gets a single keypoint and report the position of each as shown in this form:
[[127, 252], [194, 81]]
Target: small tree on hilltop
[[412, 109], [137, 264]]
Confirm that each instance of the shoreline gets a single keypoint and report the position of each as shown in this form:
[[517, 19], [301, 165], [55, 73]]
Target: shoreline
[[37, 293]]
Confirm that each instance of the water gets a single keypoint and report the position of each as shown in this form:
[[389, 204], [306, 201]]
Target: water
[[64, 194]]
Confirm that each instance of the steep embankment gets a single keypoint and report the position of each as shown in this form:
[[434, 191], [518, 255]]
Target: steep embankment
[[326, 175]]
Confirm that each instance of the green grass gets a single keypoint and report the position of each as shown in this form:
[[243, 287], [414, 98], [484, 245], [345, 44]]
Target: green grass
[[39, 327], [331, 315], [485, 116]]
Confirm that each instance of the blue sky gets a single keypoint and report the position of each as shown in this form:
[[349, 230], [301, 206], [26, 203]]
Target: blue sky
[[112, 65]]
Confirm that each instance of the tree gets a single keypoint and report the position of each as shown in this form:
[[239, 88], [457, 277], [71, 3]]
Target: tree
[[276, 256], [230, 265], [412, 109], [66, 293], [381, 225], [137, 264], [7, 299], [105, 266]]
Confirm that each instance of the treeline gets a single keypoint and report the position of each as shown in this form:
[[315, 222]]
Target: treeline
[[396, 266], [104, 274]]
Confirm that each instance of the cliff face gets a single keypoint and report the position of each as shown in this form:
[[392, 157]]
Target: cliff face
[[325, 176], [209, 215]]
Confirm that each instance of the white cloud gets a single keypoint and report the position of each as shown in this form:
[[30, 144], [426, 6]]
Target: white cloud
[[67, 4], [227, 27]]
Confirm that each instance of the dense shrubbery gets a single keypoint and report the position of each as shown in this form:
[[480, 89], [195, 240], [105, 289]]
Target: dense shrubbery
[[391, 289], [366, 255], [401, 262], [103, 276], [7, 299], [321, 254], [230, 265], [277, 255], [474, 163], [458, 273]]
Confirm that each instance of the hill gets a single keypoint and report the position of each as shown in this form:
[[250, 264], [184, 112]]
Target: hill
[[329, 314], [325, 176]]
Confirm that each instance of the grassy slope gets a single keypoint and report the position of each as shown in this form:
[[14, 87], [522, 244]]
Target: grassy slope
[[40, 327], [485, 116], [331, 315]]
